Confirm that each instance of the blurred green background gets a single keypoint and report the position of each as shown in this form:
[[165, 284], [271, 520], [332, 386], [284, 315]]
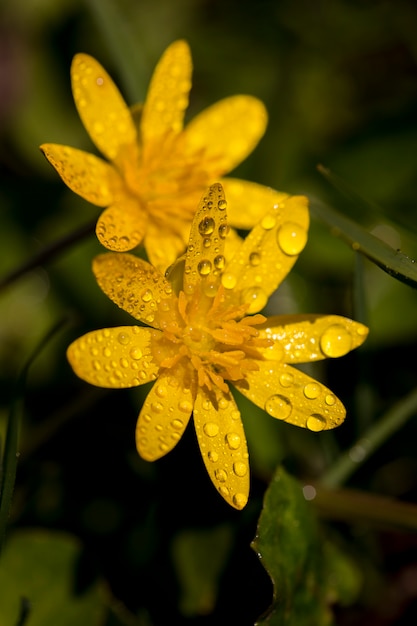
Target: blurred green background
[[154, 544]]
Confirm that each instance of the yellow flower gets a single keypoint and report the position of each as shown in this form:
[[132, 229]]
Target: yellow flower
[[156, 170], [206, 332]]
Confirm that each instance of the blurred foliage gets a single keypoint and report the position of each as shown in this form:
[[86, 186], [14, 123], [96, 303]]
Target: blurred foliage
[[339, 80]]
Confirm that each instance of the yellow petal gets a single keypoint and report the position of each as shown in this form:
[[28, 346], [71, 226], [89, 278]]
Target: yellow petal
[[135, 286], [165, 414], [226, 132], [222, 444], [268, 253], [248, 202], [114, 357], [307, 338], [204, 257], [122, 226], [87, 175], [101, 107], [163, 247], [167, 96], [290, 395]]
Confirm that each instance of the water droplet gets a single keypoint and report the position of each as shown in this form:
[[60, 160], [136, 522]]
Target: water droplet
[[204, 268], [107, 352], [223, 231], [316, 422], [330, 400], [291, 238], [206, 226], [223, 403], [212, 456], [123, 338], [147, 295], [312, 391], [278, 406], [219, 262], [336, 341], [268, 222], [177, 424], [222, 204], [124, 363], [211, 429], [161, 391], [221, 475], [185, 406], [239, 500], [136, 353], [286, 379], [157, 407], [255, 297], [254, 259], [206, 242], [229, 281], [97, 365], [233, 441], [240, 469]]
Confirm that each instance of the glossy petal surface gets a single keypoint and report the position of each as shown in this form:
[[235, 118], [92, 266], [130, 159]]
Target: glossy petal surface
[[134, 285], [165, 414], [114, 357], [223, 445], [292, 396], [307, 338], [167, 98], [226, 132], [268, 253], [256, 200], [101, 107], [122, 226], [85, 174]]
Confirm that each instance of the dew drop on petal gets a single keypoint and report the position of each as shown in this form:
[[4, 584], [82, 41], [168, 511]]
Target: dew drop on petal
[[239, 500], [136, 353], [330, 400], [211, 429], [255, 297], [161, 391], [222, 204], [316, 422], [157, 407], [219, 262], [278, 406], [336, 341], [268, 222], [147, 295], [223, 231], [206, 242], [123, 338], [204, 268], [206, 226], [185, 406], [221, 475], [212, 456], [240, 469], [177, 424], [233, 441], [229, 281], [312, 391], [254, 259], [286, 379], [291, 238]]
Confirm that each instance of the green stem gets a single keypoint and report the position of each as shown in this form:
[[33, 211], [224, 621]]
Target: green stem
[[371, 440], [48, 253]]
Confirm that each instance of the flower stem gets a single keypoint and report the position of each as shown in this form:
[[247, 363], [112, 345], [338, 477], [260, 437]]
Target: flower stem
[[371, 440]]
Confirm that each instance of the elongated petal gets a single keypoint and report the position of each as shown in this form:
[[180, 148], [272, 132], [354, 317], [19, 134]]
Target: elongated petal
[[122, 226], [165, 414], [226, 132], [307, 338], [204, 257], [222, 444], [248, 202], [164, 247], [167, 97], [89, 176], [268, 253], [101, 107], [135, 286], [114, 357], [290, 395]]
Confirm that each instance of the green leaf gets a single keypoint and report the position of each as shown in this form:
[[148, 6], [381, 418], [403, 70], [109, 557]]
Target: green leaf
[[38, 568], [391, 261], [307, 572]]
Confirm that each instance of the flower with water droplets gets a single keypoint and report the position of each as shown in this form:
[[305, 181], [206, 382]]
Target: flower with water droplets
[[155, 169], [205, 332]]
